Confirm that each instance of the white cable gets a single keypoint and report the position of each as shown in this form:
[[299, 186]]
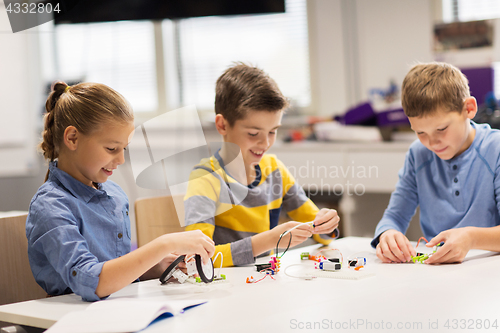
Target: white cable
[[311, 223], [306, 277], [221, 261]]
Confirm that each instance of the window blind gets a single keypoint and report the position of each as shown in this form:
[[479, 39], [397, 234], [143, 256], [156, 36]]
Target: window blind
[[470, 10], [276, 43], [118, 54]]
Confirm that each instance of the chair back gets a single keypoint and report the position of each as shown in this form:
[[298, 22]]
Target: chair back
[[17, 283], [156, 216]]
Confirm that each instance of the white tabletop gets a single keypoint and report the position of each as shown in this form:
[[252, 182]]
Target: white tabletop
[[399, 297]]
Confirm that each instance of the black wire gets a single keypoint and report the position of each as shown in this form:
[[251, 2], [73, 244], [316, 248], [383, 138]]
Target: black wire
[[277, 245]]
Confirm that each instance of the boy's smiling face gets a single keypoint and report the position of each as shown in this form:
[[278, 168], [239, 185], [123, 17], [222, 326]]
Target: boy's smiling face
[[446, 133], [254, 134]]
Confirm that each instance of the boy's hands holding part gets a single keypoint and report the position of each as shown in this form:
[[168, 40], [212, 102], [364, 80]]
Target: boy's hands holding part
[[457, 243], [393, 246], [267, 240], [326, 221], [299, 234]]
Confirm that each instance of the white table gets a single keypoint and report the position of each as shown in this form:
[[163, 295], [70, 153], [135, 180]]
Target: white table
[[411, 296]]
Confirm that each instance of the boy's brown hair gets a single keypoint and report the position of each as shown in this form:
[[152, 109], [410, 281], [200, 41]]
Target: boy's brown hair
[[242, 88], [434, 85]]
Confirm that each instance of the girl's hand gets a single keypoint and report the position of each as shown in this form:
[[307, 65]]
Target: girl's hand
[[168, 260], [193, 241]]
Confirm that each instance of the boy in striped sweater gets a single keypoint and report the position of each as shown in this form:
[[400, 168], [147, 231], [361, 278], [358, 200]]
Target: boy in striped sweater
[[236, 196]]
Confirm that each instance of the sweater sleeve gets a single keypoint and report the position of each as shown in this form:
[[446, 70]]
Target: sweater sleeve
[[201, 205]]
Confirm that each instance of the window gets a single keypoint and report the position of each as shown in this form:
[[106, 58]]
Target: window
[[474, 10], [470, 10], [160, 67], [276, 43], [118, 54]]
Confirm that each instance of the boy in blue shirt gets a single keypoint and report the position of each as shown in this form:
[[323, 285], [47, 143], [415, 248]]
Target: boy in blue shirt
[[452, 172]]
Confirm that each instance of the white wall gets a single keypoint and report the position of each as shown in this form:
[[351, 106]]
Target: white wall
[[326, 56], [393, 35], [19, 98], [21, 170], [357, 45]]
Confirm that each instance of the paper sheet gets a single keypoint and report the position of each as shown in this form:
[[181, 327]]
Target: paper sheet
[[123, 315]]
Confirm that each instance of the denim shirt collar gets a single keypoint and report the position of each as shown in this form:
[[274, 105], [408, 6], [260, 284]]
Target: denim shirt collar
[[75, 187]]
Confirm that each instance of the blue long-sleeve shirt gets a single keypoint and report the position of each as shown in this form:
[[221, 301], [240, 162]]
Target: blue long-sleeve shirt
[[72, 230], [460, 192]]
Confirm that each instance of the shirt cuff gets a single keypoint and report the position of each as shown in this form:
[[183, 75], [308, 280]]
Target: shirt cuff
[[242, 252], [376, 239], [85, 282]]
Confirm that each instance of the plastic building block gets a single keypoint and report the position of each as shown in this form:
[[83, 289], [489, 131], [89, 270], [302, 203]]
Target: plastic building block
[[180, 276], [421, 257], [329, 266], [357, 262]]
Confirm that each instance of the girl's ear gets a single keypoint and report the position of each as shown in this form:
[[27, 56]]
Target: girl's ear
[[221, 124], [70, 138]]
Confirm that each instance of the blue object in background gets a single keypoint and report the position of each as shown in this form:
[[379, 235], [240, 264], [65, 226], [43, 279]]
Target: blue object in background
[[361, 114], [392, 118]]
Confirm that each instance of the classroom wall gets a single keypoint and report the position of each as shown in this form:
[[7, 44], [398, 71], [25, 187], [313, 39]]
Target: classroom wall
[[21, 100], [358, 45], [326, 56], [387, 51]]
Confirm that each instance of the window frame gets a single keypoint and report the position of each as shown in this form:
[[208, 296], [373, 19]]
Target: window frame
[[163, 72]]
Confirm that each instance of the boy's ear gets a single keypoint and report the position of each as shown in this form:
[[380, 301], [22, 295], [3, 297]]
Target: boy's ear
[[470, 106], [221, 124], [70, 137]]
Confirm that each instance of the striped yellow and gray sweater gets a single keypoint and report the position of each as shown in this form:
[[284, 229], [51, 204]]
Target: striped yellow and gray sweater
[[230, 212]]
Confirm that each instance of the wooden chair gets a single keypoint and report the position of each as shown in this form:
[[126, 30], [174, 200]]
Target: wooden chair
[[17, 283], [157, 216]]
